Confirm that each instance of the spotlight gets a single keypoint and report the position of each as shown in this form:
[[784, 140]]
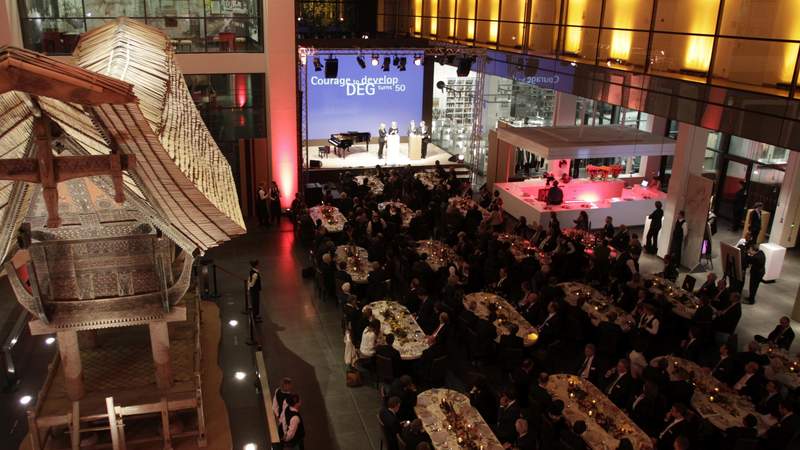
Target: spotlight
[[233, 322], [401, 65], [317, 64], [374, 60], [50, 340], [240, 375], [361, 63], [396, 61], [331, 67], [418, 60], [464, 67], [460, 158], [25, 399], [250, 446], [386, 63]]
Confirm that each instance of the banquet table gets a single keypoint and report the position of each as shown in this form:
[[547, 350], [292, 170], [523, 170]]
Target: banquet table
[[464, 204], [452, 423], [520, 248], [439, 253], [714, 400], [375, 185], [357, 259], [606, 424], [484, 302], [409, 339], [597, 305], [428, 179], [332, 219], [405, 211], [684, 303], [783, 367]]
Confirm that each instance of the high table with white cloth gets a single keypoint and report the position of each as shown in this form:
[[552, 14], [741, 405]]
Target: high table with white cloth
[[405, 212], [684, 303], [330, 216], [409, 339], [375, 185], [486, 302], [357, 260], [439, 253], [596, 305], [453, 423], [606, 424], [714, 400]]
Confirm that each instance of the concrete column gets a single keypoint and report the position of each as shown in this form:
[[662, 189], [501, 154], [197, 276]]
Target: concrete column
[[279, 37], [649, 166], [689, 153], [787, 213], [70, 354], [564, 109], [159, 343]]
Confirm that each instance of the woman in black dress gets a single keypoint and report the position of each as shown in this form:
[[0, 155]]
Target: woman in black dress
[[274, 203]]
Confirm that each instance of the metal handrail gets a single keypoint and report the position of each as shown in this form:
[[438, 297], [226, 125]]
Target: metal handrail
[[272, 426]]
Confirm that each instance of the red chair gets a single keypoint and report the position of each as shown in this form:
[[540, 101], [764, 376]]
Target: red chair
[[227, 42]]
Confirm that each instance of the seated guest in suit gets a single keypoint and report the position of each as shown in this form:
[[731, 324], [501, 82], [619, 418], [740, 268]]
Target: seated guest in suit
[[387, 350], [782, 336], [554, 424], [483, 399], [770, 402], [525, 440], [439, 335], [619, 384], [646, 409], [521, 378], [550, 328], [588, 368], [724, 369], [414, 434], [511, 341], [405, 389], [780, 435], [391, 423], [507, 417], [747, 430], [751, 383], [676, 426], [680, 390], [753, 353], [609, 335], [691, 348], [726, 319], [574, 438], [709, 288], [539, 399]]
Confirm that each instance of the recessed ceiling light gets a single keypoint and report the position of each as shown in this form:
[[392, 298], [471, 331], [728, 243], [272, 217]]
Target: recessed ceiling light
[[25, 399], [250, 446], [233, 322], [240, 375], [50, 340]]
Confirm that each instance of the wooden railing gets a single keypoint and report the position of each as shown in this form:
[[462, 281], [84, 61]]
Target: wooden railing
[[266, 396]]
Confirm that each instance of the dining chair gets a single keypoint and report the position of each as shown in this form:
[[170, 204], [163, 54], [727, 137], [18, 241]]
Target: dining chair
[[384, 370], [689, 282]]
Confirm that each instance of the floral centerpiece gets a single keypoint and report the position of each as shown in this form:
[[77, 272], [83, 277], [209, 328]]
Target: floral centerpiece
[[602, 173]]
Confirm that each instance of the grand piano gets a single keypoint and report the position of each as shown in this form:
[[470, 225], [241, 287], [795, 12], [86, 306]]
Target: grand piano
[[343, 141]]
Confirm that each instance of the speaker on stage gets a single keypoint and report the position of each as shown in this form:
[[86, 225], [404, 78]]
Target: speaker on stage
[[315, 164], [331, 67], [313, 193]]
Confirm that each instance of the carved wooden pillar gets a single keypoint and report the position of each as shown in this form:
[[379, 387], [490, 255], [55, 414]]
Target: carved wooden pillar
[[159, 343], [70, 354]]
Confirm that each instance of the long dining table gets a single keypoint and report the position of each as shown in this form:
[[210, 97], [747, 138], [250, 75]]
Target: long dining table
[[409, 339], [684, 303], [782, 367], [357, 260], [714, 400], [597, 305], [330, 217], [483, 303], [438, 253], [606, 424], [453, 423]]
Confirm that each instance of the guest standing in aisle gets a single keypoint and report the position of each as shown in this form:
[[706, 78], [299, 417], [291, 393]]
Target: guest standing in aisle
[[261, 205], [651, 244], [254, 289], [678, 235], [381, 139], [275, 203], [755, 221], [757, 261]]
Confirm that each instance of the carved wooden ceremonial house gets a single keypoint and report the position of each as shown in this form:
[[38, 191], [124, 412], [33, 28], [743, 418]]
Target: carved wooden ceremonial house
[[110, 184]]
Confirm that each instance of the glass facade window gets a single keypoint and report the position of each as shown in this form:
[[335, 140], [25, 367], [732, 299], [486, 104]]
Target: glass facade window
[[756, 48], [54, 27], [318, 17]]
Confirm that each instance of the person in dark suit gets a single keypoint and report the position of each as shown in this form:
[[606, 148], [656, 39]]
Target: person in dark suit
[[780, 435], [388, 351], [646, 409], [751, 382], [651, 243], [539, 399], [483, 399], [782, 336], [771, 401], [574, 438], [676, 426], [679, 232], [391, 423], [550, 328], [727, 319], [691, 347], [525, 440], [414, 434], [511, 341], [404, 389], [747, 430], [618, 384], [588, 369], [382, 132], [680, 389], [507, 416], [609, 335], [555, 196], [757, 262], [755, 221], [724, 368]]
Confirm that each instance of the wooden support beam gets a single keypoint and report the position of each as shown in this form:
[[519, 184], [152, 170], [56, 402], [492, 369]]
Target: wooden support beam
[[112, 424], [70, 355], [75, 426], [165, 424]]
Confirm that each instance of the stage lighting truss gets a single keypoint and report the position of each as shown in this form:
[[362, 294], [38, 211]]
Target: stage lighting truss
[[317, 64], [386, 63], [361, 62], [375, 60]]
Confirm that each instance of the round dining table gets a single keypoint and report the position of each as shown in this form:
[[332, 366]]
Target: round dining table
[[439, 254], [409, 339], [331, 218]]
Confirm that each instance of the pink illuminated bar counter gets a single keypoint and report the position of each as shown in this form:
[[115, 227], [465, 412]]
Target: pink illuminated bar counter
[[628, 205]]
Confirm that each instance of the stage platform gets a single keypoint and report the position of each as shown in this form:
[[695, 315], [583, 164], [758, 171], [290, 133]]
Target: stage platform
[[627, 205], [358, 157]]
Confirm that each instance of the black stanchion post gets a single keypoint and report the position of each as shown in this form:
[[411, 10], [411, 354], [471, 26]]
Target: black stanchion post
[[214, 278], [251, 326], [246, 309]]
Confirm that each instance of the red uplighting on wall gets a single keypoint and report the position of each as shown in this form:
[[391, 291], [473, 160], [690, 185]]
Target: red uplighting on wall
[[284, 155], [240, 87]]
